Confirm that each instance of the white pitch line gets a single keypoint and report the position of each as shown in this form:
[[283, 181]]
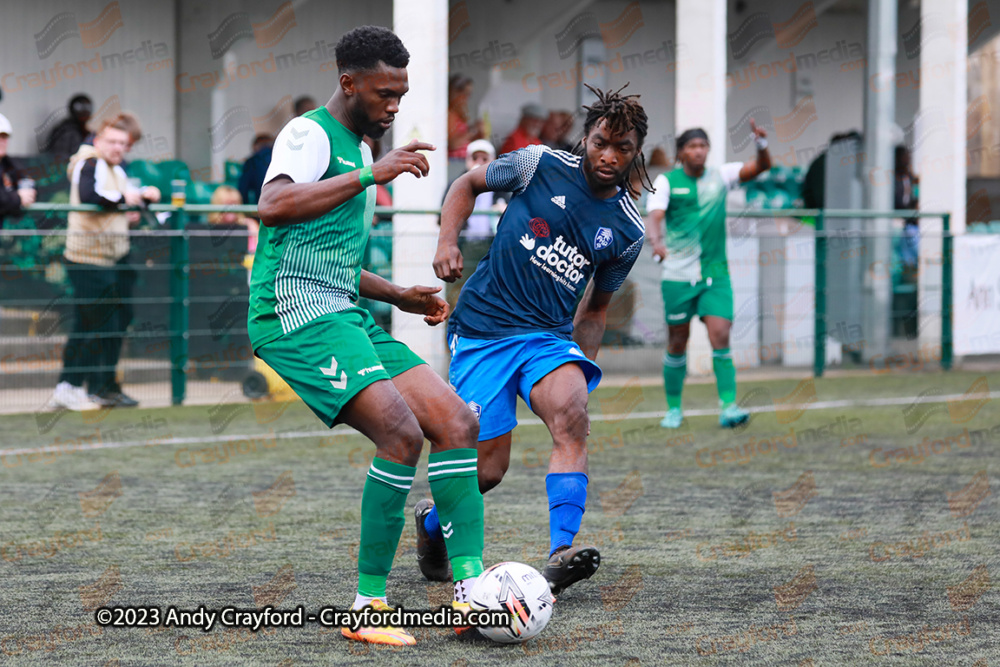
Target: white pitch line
[[531, 421]]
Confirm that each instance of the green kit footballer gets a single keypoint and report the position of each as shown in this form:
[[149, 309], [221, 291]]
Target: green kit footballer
[[316, 207], [691, 199]]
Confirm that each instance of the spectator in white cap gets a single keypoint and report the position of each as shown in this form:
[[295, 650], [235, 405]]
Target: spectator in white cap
[[529, 128], [16, 191], [478, 232]]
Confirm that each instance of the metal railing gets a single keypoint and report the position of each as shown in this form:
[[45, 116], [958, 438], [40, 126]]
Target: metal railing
[[179, 303], [821, 216]]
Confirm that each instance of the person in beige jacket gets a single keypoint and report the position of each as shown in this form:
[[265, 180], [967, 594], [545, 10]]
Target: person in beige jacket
[[97, 247]]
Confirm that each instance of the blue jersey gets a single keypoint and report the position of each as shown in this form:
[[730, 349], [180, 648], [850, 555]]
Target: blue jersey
[[552, 238]]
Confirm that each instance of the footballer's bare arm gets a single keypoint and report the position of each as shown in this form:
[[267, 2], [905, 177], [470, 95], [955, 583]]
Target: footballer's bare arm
[[753, 168], [377, 288], [419, 299], [591, 320], [654, 233], [285, 202], [458, 206]]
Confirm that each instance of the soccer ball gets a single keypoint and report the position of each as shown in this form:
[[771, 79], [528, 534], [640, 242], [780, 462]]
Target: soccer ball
[[518, 589]]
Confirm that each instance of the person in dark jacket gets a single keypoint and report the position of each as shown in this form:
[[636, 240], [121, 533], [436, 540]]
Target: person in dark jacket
[[13, 195], [66, 137], [252, 175]]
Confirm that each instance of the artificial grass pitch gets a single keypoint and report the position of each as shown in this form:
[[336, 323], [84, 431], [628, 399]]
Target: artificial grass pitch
[[848, 535]]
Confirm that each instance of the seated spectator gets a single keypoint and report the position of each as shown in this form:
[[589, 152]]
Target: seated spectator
[[460, 131], [528, 130], [66, 137], [14, 192], [252, 176], [98, 267], [555, 132], [226, 195], [304, 104]]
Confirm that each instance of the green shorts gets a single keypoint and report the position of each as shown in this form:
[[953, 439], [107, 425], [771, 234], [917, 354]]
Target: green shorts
[[330, 359], [711, 296]]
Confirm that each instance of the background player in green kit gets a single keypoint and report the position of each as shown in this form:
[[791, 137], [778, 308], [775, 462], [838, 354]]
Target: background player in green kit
[[316, 207], [692, 201]]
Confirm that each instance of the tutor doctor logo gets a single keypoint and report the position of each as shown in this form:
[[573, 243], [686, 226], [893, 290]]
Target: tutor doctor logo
[[562, 261]]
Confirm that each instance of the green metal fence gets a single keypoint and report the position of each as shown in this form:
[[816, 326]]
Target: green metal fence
[[178, 236], [820, 216]]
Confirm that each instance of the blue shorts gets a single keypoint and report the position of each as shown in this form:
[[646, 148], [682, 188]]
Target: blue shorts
[[489, 375]]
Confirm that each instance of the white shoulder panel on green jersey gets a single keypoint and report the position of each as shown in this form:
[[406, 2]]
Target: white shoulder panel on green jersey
[[301, 152]]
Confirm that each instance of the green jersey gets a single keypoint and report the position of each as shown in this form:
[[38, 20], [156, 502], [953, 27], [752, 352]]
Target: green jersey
[[695, 215], [304, 271]]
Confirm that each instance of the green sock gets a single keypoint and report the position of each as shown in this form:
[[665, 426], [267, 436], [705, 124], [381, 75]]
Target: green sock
[[455, 487], [725, 375], [382, 520], [674, 371]]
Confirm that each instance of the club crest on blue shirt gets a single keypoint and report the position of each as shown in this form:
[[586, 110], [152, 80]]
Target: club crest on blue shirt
[[603, 239]]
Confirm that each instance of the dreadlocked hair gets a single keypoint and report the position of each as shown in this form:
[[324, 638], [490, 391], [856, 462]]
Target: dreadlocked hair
[[622, 113]]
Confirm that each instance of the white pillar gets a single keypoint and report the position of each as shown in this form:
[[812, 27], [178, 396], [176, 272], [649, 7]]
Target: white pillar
[[879, 117], [939, 140], [218, 111], [700, 98], [700, 101], [423, 27]]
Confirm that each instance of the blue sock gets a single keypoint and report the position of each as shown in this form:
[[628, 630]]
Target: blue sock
[[567, 499], [432, 525]]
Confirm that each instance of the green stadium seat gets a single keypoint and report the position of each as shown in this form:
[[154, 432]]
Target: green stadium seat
[[174, 169], [777, 188], [159, 174], [200, 192], [756, 198], [147, 172], [233, 170]]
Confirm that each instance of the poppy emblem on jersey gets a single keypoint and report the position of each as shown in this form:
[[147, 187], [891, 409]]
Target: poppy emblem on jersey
[[603, 239], [539, 227]]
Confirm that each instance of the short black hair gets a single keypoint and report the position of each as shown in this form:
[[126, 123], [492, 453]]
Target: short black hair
[[691, 135], [364, 47], [78, 101]]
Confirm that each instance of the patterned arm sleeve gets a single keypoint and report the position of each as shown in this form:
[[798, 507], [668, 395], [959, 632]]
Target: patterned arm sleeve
[[513, 171], [93, 182], [610, 276]]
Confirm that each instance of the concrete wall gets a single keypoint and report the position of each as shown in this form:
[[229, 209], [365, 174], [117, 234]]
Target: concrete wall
[[806, 80], [285, 54], [527, 66], [281, 51], [125, 60]]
